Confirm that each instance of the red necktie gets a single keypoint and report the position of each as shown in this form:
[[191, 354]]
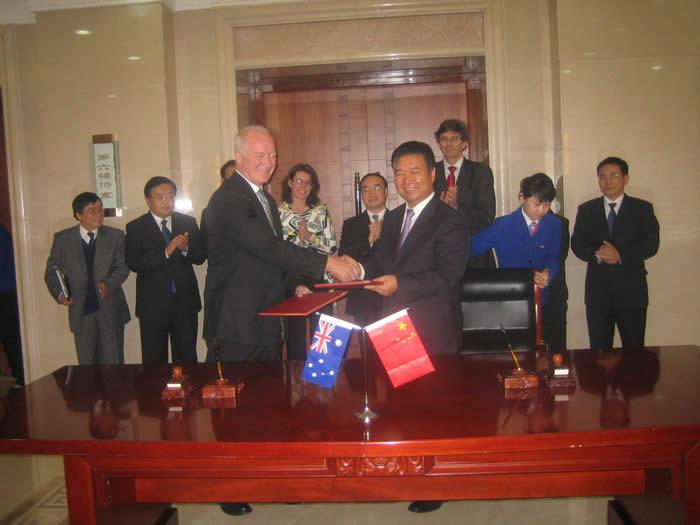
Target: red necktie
[[451, 177]]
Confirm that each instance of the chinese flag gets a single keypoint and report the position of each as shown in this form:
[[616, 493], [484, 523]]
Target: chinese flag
[[400, 349]]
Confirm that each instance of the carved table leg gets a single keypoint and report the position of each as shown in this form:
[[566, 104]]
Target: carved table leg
[[84, 507], [80, 491], [692, 486]]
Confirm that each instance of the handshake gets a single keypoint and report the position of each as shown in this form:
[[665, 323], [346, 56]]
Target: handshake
[[344, 268]]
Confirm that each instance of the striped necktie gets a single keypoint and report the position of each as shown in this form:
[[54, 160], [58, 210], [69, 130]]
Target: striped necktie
[[266, 206]]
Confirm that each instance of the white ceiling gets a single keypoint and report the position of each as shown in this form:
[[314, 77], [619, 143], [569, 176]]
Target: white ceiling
[[22, 11]]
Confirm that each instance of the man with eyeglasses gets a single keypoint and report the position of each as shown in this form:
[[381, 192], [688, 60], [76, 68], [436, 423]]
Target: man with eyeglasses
[[615, 234], [358, 235], [464, 185]]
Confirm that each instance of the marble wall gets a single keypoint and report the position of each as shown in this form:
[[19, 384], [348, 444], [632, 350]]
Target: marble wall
[[630, 87]]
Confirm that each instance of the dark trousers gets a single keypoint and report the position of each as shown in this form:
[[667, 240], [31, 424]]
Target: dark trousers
[[554, 325], [630, 322], [230, 351], [10, 334], [297, 344], [180, 328]]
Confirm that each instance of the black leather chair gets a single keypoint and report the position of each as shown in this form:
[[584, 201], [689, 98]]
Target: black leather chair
[[491, 297]]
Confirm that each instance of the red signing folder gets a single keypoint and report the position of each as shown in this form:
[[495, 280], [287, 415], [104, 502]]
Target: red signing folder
[[344, 286], [303, 306], [399, 348]]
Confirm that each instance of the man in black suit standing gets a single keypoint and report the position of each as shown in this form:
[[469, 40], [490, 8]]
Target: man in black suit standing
[[465, 185], [359, 234], [422, 253], [615, 234], [250, 266], [420, 258], [161, 247]]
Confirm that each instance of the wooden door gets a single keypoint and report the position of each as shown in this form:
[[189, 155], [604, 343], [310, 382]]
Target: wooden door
[[343, 131]]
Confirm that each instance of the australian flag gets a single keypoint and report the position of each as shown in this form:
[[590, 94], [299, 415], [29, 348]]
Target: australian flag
[[326, 352]]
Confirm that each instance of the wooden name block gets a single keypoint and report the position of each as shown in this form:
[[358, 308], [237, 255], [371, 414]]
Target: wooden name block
[[222, 393], [518, 379], [178, 387]]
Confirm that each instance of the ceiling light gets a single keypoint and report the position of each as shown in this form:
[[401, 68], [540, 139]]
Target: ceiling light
[[83, 32], [133, 58], [657, 67]]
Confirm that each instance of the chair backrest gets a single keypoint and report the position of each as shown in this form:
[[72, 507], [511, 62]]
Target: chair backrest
[[491, 297]]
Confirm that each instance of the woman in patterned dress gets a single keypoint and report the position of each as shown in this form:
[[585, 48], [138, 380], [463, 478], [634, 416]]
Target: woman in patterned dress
[[306, 222]]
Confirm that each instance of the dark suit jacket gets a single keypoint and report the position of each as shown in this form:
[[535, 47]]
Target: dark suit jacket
[[145, 255], [67, 255], [558, 290], [363, 305], [476, 200], [203, 231], [250, 267], [636, 236], [429, 267]]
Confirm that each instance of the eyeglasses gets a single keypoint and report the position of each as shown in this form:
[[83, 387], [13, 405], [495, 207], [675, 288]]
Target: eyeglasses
[[375, 187], [610, 176], [301, 182], [454, 139]]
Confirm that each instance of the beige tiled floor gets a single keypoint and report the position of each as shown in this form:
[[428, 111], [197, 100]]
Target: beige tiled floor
[[32, 493]]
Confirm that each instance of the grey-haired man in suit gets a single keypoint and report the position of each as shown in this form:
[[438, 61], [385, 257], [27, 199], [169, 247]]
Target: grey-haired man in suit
[[90, 256]]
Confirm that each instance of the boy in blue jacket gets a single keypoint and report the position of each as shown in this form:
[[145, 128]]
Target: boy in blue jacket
[[530, 237]]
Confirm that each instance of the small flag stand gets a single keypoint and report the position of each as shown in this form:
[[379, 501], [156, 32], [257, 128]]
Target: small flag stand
[[366, 414]]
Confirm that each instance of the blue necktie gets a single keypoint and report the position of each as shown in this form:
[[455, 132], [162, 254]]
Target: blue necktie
[[611, 218], [375, 217], [407, 223], [166, 237]]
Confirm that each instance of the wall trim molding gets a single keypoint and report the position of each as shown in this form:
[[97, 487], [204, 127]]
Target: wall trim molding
[[324, 10], [21, 227]]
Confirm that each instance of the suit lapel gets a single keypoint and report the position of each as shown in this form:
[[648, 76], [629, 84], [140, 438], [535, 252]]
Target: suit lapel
[[77, 248], [418, 229], [155, 229], [621, 218], [600, 218], [391, 231], [247, 190], [521, 222], [277, 222], [463, 179], [440, 177], [102, 242]]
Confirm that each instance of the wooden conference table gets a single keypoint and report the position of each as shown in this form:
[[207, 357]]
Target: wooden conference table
[[632, 427]]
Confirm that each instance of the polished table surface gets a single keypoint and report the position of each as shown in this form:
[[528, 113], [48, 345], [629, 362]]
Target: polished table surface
[[452, 434]]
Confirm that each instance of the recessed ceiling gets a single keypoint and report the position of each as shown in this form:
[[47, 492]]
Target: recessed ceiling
[[22, 11]]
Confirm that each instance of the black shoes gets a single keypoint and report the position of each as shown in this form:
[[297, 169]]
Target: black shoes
[[424, 506], [236, 509], [241, 509]]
